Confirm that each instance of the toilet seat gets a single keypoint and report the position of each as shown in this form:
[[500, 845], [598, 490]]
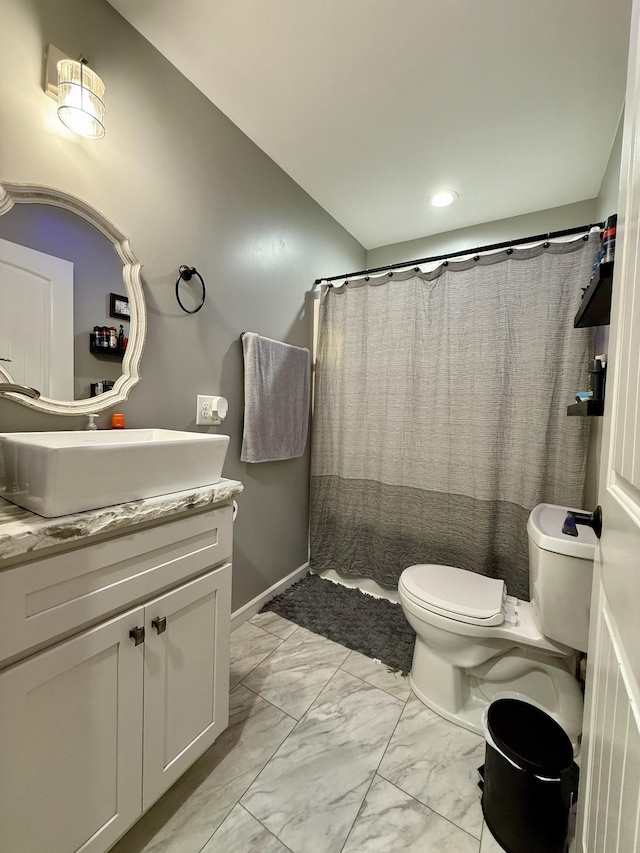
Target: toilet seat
[[455, 593]]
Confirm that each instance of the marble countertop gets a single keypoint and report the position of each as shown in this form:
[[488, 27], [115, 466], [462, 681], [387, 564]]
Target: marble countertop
[[23, 532]]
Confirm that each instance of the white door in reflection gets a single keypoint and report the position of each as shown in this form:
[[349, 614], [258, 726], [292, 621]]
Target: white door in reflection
[[36, 320]]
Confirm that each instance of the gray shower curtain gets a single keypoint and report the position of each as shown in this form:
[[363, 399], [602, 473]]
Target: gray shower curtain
[[440, 413]]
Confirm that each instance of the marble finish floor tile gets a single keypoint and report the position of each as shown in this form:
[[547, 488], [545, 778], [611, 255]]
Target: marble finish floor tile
[[250, 645], [274, 624], [391, 820], [311, 791], [297, 671], [436, 762], [185, 818], [378, 674], [489, 844], [242, 833]]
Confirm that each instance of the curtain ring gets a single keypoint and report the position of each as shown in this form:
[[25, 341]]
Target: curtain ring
[[445, 264], [366, 278], [186, 273], [477, 258], [390, 273]]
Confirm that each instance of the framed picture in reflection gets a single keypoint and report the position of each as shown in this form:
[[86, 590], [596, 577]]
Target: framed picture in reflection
[[119, 307]]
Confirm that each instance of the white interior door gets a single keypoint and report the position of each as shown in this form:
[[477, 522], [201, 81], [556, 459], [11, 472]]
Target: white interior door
[[36, 320], [609, 802], [186, 677], [71, 743]]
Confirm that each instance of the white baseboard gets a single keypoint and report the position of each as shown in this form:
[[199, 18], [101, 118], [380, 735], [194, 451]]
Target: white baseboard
[[242, 614]]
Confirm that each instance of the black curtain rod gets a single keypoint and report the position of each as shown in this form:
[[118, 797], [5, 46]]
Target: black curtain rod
[[506, 245]]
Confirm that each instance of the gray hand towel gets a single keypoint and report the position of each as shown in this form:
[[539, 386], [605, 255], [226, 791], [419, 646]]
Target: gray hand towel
[[276, 399]]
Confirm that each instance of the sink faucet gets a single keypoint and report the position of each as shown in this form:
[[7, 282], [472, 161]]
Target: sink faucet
[[10, 387]]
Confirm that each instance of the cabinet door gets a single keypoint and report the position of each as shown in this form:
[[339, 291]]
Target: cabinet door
[[71, 742], [186, 677]]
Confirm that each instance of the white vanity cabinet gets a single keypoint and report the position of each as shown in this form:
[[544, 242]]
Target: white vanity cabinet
[[71, 742], [117, 679], [186, 677]]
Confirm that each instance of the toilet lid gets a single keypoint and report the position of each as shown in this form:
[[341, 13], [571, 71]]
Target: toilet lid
[[456, 592]]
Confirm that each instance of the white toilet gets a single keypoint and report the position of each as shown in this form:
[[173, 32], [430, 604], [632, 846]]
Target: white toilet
[[475, 643]]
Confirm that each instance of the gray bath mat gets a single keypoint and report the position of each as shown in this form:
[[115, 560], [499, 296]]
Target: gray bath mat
[[373, 626]]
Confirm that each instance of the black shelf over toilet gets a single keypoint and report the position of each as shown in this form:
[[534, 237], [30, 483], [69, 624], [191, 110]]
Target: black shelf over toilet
[[595, 308], [589, 408]]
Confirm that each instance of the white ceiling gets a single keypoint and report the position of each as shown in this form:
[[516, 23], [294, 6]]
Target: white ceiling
[[372, 105]]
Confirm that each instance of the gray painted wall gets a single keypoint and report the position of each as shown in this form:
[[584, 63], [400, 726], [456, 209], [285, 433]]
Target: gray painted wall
[[606, 204], [188, 187], [554, 219], [607, 201]]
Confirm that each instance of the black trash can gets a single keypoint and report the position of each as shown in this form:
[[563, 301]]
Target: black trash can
[[530, 780]]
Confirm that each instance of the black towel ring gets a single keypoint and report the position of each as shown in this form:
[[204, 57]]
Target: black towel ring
[[186, 273]]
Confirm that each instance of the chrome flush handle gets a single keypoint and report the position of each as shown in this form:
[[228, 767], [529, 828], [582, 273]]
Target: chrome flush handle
[[589, 519]]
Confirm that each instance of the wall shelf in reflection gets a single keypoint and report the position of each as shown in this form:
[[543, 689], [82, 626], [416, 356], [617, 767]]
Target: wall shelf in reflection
[[109, 352]]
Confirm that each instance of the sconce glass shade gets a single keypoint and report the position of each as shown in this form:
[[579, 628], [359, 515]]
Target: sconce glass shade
[[81, 99]]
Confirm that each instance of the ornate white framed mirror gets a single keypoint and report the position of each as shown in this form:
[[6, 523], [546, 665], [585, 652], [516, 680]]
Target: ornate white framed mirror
[[72, 311]]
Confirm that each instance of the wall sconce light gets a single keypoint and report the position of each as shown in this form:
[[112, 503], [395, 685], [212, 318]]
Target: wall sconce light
[[79, 92]]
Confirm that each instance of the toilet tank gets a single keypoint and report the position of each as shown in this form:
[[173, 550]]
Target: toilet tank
[[560, 576]]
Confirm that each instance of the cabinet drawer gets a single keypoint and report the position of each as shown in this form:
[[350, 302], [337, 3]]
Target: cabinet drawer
[[56, 596]]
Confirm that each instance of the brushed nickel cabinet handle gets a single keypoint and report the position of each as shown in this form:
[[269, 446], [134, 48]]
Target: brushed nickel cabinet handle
[[137, 634], [160, 624]]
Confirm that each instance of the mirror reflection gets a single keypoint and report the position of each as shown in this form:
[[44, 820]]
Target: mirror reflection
[[64, 308]]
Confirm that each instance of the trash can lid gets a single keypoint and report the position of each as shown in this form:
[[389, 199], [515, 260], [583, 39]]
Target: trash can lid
[[529, 737]]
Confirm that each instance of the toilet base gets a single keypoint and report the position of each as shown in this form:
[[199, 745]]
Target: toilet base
[[469, 717], [460, 695]]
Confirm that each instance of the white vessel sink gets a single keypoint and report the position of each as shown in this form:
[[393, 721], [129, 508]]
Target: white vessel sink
[[57, 473]]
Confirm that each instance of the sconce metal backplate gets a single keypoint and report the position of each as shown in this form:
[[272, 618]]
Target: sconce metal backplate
[[53, 57]]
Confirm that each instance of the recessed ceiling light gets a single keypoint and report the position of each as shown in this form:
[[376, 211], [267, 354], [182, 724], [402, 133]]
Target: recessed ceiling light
[[443, 198]]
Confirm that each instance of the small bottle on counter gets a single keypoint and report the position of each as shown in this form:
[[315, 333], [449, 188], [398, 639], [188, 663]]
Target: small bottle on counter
[[117, 421], [113, 337]]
